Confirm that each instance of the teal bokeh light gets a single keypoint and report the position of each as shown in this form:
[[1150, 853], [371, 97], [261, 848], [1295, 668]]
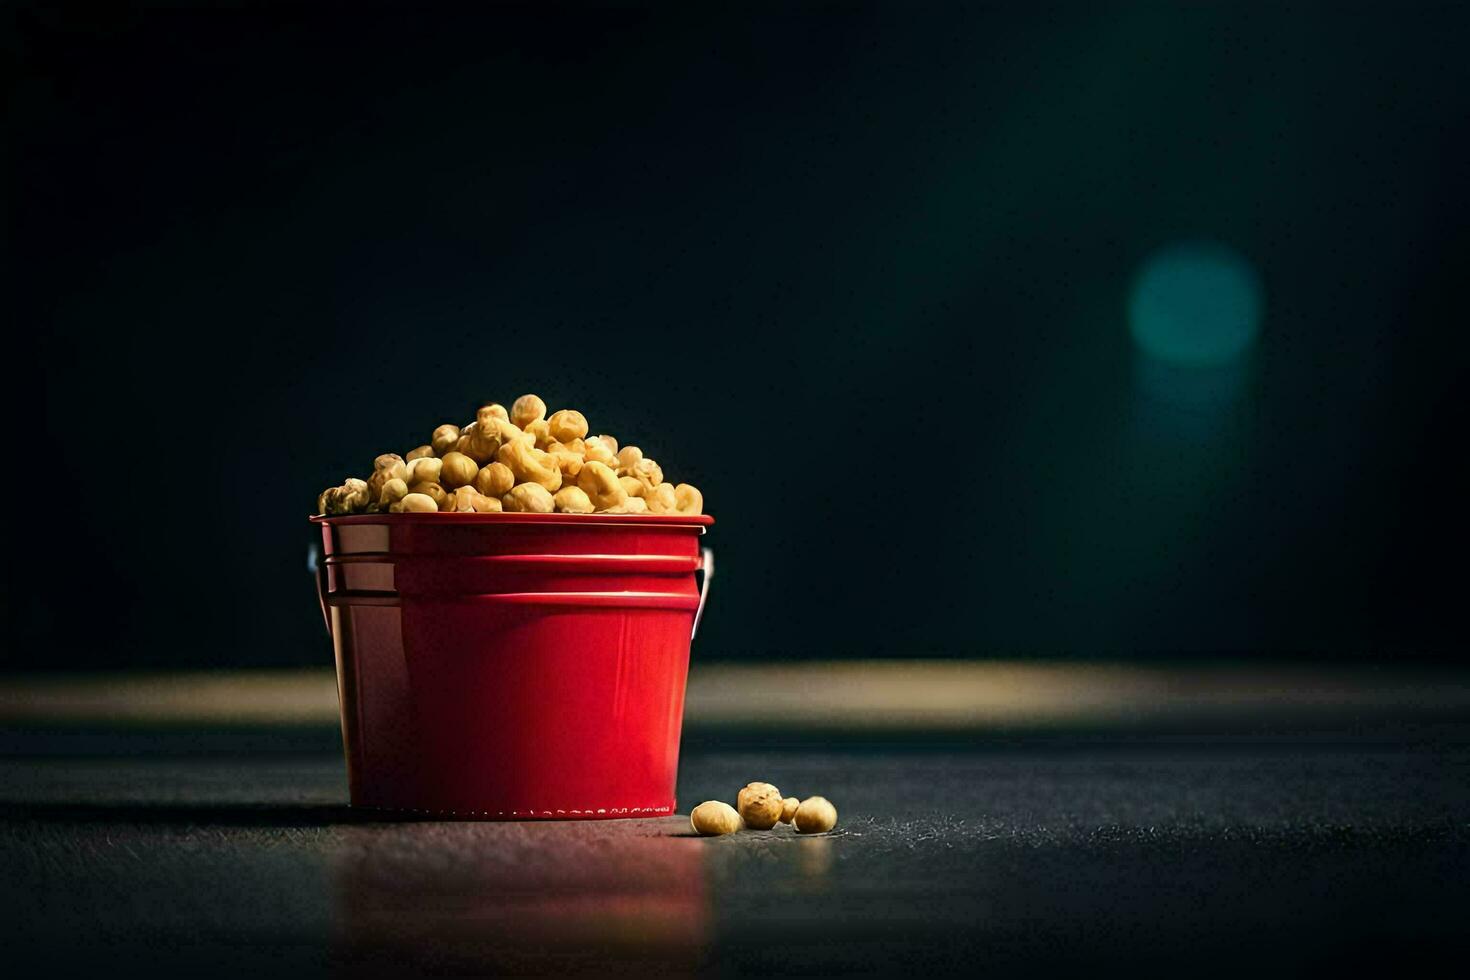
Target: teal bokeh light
[[1195, 303]]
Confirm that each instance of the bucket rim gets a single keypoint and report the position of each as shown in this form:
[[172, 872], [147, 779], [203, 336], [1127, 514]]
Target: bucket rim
[[579, 520]]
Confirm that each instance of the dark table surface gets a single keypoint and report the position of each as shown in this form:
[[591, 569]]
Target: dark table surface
[[1280, 856]]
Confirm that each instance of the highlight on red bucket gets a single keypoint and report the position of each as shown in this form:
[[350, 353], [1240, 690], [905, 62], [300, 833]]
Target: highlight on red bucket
[[511, 608]]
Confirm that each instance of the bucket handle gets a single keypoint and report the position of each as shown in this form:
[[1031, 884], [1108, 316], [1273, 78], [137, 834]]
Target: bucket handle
[[706, 572]]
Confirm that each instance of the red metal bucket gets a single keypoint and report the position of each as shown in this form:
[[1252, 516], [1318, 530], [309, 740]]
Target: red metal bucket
[[512, 666]]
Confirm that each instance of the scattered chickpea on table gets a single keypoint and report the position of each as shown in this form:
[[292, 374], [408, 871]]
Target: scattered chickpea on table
[[760, 806], [519, 461]]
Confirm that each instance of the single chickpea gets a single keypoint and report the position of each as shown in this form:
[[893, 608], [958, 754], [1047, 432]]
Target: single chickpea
[[609, 442], [601, 485], [480, 441], [689, 500], [354, 498], [495, 480], [458, 501], [386, 467], [814, 816], [504, 430], [330, 502], [628, 458], [425, 469], [569, 463], [431, 490], [381, 476], [389, 461], [662, 499], [567, 424], [457, 470], [759, 805], [714, 819], [632, 486], [577, 446], [530, 465], [788, 808], [487, 505], [597, 451], [418, 503], [635, 505], [540, 433], [492, 410], [393, 491], [418, 453], [444, 438], [529, 498], [648, 472], [571, 500], [527, 409]]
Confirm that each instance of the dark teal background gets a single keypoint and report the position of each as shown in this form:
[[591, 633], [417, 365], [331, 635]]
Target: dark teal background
[[860, 273]]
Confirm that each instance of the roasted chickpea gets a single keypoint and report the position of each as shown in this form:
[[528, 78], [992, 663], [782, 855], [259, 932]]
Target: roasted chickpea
[[649, 473], [480, 440], [530, 465], [492, 410], [388, 461], [601, 485], [759, 805], [503, 430], [714, 819], [815, 815], [567, 425], [393, 491], [330, 502], [418, 503], [628, 458], [571, 500], [662, 499], [596, 451], [425, 469], [609, 442], [635, 505], [527, 409], [569, 463], [788, 808], [529, 498], [386, 467], [487, 505], [444, 438], [457, 470], [432, 490], [495, 480], [540, 433], [354, 498], [689, 500], [632, 485], [461, 500], [419, 453]]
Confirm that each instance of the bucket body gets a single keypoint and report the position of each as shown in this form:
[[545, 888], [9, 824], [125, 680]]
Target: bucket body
[[512, 666]]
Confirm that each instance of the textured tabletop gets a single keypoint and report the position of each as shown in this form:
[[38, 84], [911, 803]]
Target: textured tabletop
[[1217, 856]]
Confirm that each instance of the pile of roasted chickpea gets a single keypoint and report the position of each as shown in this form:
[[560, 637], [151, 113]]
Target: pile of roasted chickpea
[[516, 460]]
